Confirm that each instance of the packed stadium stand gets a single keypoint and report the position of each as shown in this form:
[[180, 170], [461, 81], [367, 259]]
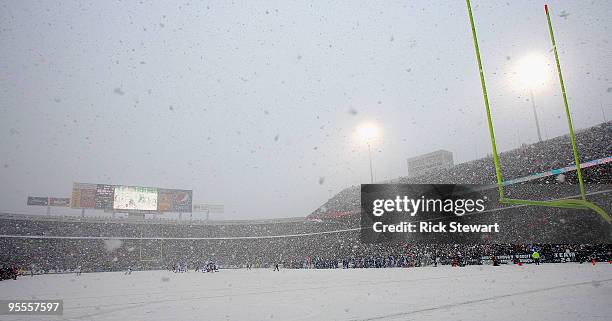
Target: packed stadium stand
[[327, 238], [594, 143]]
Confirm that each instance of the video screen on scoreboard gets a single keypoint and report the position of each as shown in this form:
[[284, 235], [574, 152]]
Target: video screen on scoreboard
[[135, 198]]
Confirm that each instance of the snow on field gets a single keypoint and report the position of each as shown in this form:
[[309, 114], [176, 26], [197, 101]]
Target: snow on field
[[546, 292]]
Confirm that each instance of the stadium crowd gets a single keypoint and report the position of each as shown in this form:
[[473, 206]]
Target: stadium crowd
[[329, 238], [320, 251]]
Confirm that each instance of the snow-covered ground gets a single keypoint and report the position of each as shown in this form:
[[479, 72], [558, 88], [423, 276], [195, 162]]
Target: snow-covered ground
[[546, 292]]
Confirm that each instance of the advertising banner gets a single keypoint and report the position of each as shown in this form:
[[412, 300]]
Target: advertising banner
[[208, 208], [181, 201], [59, 201], [104, 196], [88, 198], [164, 200], [83, 195], [38, 201]]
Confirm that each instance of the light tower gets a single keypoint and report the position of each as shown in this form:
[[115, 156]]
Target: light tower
[[368, 132], [532, 71]]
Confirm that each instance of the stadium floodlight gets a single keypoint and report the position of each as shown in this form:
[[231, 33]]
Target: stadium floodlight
[[368, 132], [532, 72], [563, 203]]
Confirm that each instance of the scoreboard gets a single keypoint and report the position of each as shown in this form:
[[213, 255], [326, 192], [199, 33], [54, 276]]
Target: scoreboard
[[135, 198], [131, 199]]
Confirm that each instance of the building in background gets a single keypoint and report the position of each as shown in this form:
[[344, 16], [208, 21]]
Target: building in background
[[423, 164]]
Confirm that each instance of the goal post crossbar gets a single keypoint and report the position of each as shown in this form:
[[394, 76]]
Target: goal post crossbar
[[581, 203]]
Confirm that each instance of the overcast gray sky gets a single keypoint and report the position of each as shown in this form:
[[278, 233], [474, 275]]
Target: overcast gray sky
[[254, 104]]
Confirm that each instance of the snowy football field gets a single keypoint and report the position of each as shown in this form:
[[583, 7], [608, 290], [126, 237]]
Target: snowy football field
[[546, 292]]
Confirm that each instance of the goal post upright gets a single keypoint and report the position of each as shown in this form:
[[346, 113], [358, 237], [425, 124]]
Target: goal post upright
[[486, 102], [565, 203], [567, 111]]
